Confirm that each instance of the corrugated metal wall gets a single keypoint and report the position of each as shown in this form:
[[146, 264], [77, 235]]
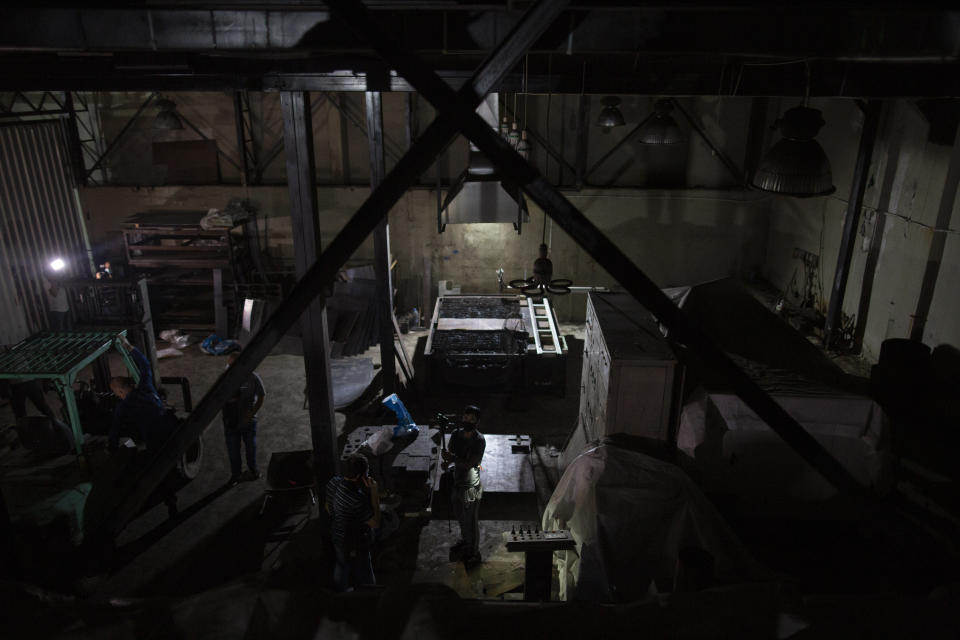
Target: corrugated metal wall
[[39, 221]]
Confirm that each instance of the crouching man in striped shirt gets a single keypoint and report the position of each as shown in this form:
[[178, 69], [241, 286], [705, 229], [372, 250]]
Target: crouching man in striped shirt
[[353, 499]]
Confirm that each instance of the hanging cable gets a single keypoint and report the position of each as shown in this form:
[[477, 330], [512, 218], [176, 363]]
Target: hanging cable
[[546, 155], [526, 87]]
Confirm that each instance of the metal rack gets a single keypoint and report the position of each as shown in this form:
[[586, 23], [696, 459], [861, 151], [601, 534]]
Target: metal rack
[[59, 357], [176, 242]]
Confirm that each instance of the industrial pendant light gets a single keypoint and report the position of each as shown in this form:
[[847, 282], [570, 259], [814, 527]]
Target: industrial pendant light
[[661, 128], [610, 115], [796, 165], [167, 118]]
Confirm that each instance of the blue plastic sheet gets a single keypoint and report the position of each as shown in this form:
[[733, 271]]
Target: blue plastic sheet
[[217, 346]]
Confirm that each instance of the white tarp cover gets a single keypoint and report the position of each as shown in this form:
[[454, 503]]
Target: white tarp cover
[[630, 515], [734, 451]]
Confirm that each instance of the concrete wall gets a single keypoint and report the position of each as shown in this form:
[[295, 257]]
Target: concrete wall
[[905, 187], [676, 237]]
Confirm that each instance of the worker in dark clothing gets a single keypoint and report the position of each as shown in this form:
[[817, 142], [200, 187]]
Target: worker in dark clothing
[[465, 452], [141, 412], [240, 424], [143, 366], [353, 499]]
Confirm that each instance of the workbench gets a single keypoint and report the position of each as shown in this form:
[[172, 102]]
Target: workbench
[[176, 240]]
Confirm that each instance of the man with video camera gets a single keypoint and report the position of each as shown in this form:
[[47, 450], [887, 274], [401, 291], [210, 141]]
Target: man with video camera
[[465, 452]]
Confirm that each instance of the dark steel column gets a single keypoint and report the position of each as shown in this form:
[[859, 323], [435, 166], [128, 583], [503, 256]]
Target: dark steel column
[[146, 322], [381, 247], [755, 137], [871, 122], [298, 144], [73, 142], [594, 242], [337, 101], [413, 120], [894, 142], [583, 130], [241, 137], [219, 310], [938, 243]]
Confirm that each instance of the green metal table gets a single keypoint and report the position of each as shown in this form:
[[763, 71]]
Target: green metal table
[[59, 357]]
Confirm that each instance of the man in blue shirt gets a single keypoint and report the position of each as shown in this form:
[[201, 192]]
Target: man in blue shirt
[[353, 499]]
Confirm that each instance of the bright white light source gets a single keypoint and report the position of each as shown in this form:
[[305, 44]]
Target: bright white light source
[[58, 265]]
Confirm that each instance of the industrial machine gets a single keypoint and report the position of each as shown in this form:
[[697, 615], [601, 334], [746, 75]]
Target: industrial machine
[[507, 341], [59, 358]]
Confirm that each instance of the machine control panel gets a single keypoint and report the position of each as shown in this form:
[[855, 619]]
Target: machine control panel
[[531, 539]]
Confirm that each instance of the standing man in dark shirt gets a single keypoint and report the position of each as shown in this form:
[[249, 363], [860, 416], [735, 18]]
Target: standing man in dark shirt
[[465, 452], [353, 499], [240, 424]]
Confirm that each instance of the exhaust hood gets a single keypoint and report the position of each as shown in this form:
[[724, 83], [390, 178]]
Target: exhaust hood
[[478, 195]]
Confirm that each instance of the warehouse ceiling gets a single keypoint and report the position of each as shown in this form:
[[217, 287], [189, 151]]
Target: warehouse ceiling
[[746, 49]]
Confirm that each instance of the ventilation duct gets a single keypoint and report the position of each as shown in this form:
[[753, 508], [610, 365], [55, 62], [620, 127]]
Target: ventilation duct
[[479, 195]]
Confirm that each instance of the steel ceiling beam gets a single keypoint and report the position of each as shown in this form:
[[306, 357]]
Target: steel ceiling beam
[[869, 31], [676, 76], [451, 106], [321, 275]]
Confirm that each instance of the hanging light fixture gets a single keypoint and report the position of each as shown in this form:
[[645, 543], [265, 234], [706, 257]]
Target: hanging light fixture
[[796, 165], [167, 118], [542, 281], [661, 128], [610, 115]]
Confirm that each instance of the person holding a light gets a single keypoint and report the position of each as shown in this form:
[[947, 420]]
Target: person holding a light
[[58, 315]]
